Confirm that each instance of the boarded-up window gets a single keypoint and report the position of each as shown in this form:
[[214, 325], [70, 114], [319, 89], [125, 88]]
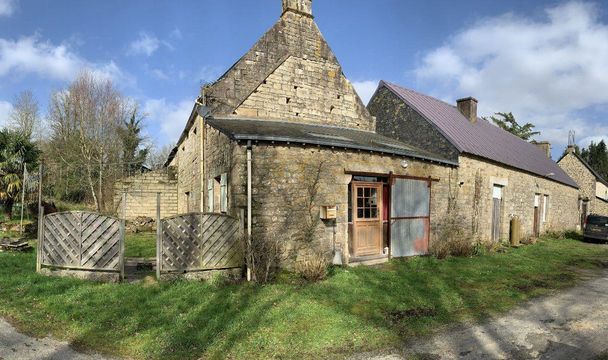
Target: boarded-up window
[[545, 207]]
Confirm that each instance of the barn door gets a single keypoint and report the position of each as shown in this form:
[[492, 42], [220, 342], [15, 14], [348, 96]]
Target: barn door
[[367, 218], [496, 212], [410, 216]]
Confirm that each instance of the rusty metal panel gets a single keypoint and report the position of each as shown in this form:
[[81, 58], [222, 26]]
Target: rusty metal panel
[[410, 217], [410, 237], [410, 198]]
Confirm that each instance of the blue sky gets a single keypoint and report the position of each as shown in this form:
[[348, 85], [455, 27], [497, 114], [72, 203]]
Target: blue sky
[[547, 61]]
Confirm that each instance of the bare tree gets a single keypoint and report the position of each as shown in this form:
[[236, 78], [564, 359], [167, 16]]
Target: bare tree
[[25, 115], [157, 156], [85, 121]]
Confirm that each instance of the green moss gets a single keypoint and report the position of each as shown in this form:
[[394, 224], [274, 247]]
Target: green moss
[[356, 309]]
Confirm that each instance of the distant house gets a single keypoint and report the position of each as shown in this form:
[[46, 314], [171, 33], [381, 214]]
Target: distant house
[[499, 175], [593, 188]]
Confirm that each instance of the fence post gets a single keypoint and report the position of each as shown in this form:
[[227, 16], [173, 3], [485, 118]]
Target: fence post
[[122, 236], [159, 236], [40, 221]]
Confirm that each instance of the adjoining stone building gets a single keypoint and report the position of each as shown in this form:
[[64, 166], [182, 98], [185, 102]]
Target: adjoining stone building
[[140, 193], [593, 188], [499, 175]]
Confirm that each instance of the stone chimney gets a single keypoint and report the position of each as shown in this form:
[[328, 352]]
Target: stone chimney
[[303, 7], [468, 108], [545, 146]]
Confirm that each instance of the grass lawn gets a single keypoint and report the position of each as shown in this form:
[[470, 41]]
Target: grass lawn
[[142, 244], [356, 309]]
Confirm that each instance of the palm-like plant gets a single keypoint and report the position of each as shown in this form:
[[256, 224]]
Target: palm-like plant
[[16, 151]]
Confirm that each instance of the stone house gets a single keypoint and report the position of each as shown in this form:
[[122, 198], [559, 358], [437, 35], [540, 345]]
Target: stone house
[[593, 197], [499, 176], [283, 142]]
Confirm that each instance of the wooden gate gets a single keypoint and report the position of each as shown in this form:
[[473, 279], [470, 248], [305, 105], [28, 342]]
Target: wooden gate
[[80, 240], [198, 242]]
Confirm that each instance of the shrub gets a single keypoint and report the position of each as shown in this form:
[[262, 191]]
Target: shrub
[[313, 268]]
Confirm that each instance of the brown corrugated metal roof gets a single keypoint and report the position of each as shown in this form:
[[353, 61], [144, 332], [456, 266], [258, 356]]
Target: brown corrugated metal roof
[[483, 138]]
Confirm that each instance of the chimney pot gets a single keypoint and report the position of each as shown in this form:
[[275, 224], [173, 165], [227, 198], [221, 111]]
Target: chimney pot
[[468, 108], [302, 7]]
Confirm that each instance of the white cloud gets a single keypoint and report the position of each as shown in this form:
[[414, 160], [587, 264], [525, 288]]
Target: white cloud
[[545, 71], [168, 117], [146, 44], [30, 55], [7, 7], [208, 74], [159, 74], [5, 110], [365, 89]]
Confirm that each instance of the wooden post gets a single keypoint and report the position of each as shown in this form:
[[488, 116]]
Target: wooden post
[[40, 221], [159, 236], [121, 258]]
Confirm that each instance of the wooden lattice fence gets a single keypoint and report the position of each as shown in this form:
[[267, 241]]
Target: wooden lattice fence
[[80, 240], [199, 242]]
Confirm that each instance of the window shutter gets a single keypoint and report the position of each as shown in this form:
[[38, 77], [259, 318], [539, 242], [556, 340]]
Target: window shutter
[[210, 195], [224, 193]]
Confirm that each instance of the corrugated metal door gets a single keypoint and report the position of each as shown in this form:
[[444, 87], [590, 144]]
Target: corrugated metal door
[[496, 212], [410, 216]]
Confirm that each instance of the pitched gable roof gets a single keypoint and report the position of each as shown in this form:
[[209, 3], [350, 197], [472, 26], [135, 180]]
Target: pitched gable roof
[[482, 139]]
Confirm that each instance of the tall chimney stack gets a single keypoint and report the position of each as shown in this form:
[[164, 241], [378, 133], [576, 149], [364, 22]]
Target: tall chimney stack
[[468, 108], [302, 7]]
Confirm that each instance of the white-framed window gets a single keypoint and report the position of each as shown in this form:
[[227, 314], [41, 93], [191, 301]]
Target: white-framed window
[[210, 195], [545, 207]]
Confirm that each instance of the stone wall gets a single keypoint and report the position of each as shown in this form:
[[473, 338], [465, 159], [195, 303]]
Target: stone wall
[[187, 160], [290, 183], [586, 181], [411, 128], [478, 176], [292, 60], [141, 193]]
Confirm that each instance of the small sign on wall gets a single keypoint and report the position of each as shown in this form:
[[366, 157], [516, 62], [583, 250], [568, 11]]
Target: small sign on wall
[[328, 212]]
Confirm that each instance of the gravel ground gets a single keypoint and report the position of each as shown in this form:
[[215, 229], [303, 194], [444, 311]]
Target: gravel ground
[[570, 325], [16, 346]]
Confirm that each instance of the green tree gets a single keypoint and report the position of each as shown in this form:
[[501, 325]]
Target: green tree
[[596, 155], [16, 149], [134, 153], [506, 121]]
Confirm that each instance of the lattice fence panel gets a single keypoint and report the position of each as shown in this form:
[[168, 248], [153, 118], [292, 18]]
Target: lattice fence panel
[[83, 240], [195, 242]]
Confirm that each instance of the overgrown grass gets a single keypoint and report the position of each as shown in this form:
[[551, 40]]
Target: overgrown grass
[[141, 244], [355, 309]]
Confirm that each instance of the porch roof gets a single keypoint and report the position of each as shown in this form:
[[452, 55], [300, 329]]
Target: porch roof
[[322, 135]]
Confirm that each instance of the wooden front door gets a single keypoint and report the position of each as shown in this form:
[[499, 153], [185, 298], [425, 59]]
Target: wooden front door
[[367, 218]]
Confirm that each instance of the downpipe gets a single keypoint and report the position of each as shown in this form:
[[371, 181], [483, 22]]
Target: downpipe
[[249, 195]]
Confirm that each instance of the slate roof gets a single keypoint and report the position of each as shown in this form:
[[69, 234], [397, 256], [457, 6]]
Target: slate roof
[[483, 138], [322, 135]]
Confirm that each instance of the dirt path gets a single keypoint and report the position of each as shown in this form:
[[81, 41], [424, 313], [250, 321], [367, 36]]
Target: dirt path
[[16, 346], [570, 325]]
